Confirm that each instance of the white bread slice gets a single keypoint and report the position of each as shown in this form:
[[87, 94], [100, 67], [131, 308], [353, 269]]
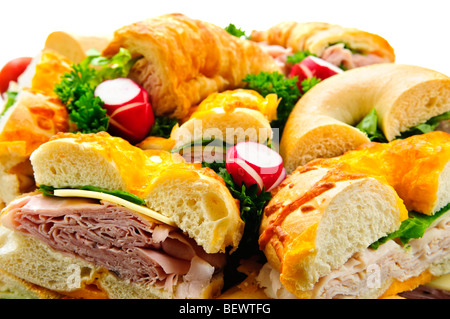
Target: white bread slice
[[12, 287], [194, 197]]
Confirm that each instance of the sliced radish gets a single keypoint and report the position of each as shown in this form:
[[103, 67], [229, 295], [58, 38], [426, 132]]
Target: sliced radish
[[313, 66], [120, 91], [255, 163], [132, 123], [127, 105]]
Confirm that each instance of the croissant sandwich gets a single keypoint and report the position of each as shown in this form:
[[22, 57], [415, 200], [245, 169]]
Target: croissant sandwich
[[344, 47], [371, 223], [114, 221], [184, 60], [30, 119]]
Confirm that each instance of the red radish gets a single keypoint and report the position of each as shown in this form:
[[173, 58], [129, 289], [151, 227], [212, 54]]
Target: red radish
[[313, 66], [252, 162], [130, 113]]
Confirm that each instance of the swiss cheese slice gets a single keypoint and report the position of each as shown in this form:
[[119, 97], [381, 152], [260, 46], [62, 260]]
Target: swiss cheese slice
[[115, 200], [442, 282]]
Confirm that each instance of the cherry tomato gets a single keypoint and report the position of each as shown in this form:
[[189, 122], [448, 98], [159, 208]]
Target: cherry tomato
[[12, 70]]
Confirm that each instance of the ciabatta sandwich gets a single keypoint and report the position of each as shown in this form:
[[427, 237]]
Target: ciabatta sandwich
[[115, 221]]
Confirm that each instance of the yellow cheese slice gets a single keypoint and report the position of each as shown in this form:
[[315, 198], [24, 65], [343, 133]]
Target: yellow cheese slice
[[115, 200], [442, 282]]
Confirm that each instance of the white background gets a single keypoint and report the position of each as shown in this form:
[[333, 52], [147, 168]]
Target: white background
[[417, 30]]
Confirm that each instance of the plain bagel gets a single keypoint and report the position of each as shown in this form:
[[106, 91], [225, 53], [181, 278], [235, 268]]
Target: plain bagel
[[321, 123]]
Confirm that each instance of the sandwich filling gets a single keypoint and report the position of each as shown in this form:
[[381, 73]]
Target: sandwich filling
[[136, 248], [373, 270]]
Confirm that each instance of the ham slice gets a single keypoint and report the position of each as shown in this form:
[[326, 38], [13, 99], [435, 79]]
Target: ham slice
[[132, 246], [338, 55]]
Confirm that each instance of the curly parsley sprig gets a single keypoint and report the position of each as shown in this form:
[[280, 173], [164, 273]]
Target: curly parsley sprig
[[76, 89]]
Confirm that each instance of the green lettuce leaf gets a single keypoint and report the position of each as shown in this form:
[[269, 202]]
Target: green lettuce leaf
[[251, 207], [369, 125], [413, 227], [428, 126]]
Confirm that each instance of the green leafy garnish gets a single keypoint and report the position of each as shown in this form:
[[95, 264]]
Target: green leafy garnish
[[426, 127], [308, 83], [10, 99], [163, 126], [413, 227], [286, 89], [251, 207], [298, 56], [369, 125], [237, 32], [48, 190], [76, 89]]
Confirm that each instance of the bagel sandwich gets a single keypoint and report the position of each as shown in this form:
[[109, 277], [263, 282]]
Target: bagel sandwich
[[323, 122], [372, 223], [224, 119], [29, 118], [114, 221], [343, 47], [183, 60]]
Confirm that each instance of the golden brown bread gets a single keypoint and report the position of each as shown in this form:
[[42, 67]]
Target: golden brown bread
[[35, 116], [74, 47], [327, 212], [231, 116], [184, 60], [318, 38], [321, 123]]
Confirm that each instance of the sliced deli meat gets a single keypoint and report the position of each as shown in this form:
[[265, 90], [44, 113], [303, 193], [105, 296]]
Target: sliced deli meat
[[134, 247]]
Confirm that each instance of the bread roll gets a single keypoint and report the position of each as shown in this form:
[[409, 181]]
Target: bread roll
[[35, 116], [231, 116], [184, 60], [320, 218], [195, 198], [321, 123], [318, 226], [74, 47], [347, 47]]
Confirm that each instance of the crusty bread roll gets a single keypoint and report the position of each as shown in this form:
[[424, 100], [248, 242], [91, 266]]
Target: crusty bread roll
[[35, 116], [184, 60], [318, 226], [320, 125], [195, 198], [73, 46], [348, 47], [313, 204], [418, 168], [231, 116]]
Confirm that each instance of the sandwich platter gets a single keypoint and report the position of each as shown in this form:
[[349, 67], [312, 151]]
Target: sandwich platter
[[176, 158]]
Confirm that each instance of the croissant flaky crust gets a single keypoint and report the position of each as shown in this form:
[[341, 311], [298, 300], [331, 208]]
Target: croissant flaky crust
[[184, 60], [339, 45]]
